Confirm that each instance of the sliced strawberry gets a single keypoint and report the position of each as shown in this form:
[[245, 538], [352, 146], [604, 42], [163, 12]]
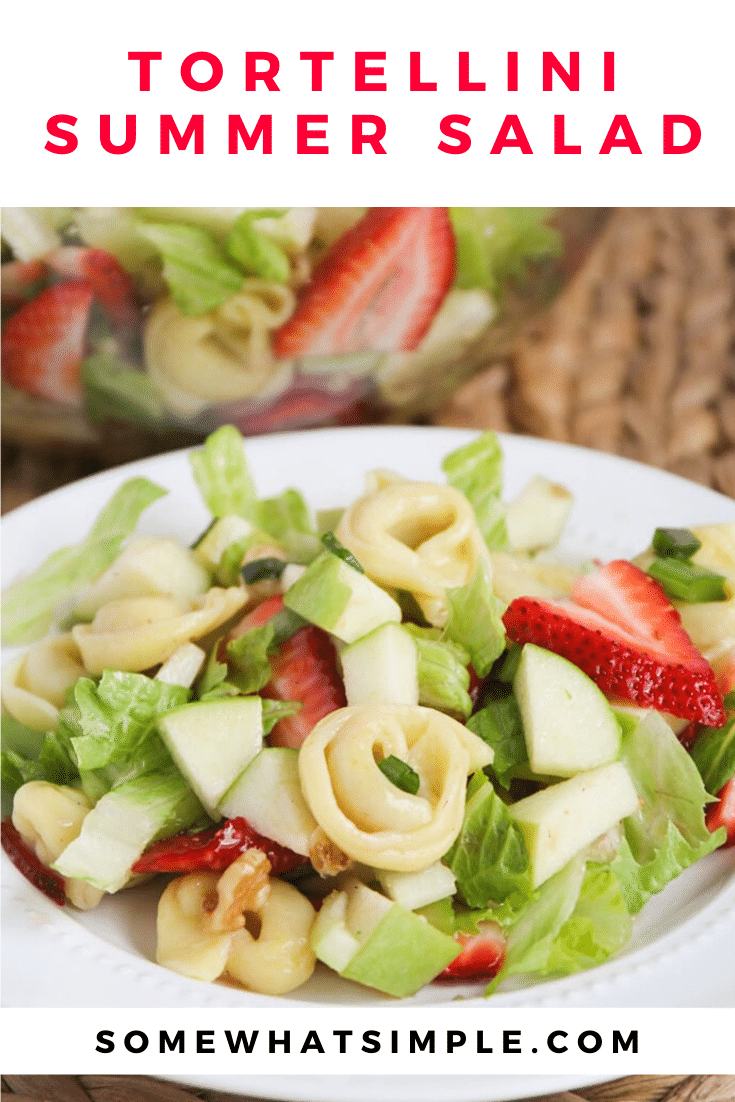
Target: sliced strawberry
[[305, 669], [722, 814], [378, 288], [215, 848], [481, 956], [43, 342], [112, 286], [51, 883], [19, 280], [622, 630]]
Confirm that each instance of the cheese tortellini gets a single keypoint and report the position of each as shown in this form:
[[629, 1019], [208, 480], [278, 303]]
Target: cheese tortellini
[[417, 536], [371, 819], [222, 356], [34, 686], [137, 633]]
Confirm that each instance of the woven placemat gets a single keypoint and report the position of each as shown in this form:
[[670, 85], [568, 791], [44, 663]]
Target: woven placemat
[[636, 357], [116, 1088]]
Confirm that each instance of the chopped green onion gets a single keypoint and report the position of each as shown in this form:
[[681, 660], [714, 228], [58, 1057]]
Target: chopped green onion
[[685, 581], [333, 545], [675, 543], [262, 569], [400, 774]]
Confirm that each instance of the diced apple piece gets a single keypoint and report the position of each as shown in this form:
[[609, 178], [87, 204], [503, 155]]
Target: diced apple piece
[[381, 668], [147, 568], [417, 889], [568, 724], [560, 821], [183, 667], [268, 794], [212, 742], [341, 600], [222, 534], [367, 938], [536, 517]]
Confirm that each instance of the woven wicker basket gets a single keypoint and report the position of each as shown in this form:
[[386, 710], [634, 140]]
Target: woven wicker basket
[[115, 1088], [636, 357]]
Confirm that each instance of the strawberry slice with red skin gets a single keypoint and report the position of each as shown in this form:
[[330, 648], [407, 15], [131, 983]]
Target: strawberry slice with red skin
[[112, 286], [378, 288], [722, 814], [51, 883], [621, 629], [304, 669], [19, 280], [215, 849], [43, 343], [481, 956]]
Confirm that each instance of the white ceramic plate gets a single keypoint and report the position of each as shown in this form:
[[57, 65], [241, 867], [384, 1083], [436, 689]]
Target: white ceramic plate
[[681, 953]]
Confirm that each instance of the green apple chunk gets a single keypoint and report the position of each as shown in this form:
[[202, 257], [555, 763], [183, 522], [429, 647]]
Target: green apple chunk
[[268, 794], [212, 742], [537, 516], [183, 667], [567, 722], [336, 597], [381, 668], [219, 536], [147, 568], [417, 889], [373, 941], [560, 821]]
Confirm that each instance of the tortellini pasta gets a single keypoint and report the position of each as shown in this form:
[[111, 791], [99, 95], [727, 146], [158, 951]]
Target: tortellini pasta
[[34, 686], [48, 818], [417, 536], [222, 356], [243, 924], [138, 633], [363, 812]]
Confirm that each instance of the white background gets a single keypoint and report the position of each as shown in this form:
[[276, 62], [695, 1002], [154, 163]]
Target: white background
[[71, 58]]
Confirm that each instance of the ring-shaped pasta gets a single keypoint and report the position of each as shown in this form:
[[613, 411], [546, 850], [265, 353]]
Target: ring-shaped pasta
[[364, 813], [137, 633], [416, 536]]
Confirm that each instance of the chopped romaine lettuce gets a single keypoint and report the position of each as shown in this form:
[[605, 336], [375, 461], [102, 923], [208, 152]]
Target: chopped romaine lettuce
[[499, 725], [668, 833], [444, 679], [714, 755], [223, 476], [257, 252], [199, 275], [476, 470], [31, 604], [495, 244], [489, 857], [475, 620]]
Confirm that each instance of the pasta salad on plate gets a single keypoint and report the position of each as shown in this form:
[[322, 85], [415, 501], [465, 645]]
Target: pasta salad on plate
[[412, 739]]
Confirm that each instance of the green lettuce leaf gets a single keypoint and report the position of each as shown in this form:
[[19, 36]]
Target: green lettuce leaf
[[444, 679], [199, 275], [223, 476], [256, 252], [495, 244], [476, 470], [116, 717], [288, 520], [714, 755], [668, 833], [489, 857], [499, 725], [475, 620], [31, 604]]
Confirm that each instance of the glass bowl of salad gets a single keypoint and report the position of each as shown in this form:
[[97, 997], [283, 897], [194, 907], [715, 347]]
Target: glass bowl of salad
[[173, 321]]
